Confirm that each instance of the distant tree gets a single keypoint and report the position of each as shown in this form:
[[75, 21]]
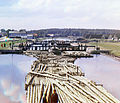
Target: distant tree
[[7, 31], [3, 30], [87, 33]]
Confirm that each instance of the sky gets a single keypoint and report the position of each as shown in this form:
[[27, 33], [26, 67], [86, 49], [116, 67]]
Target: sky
[[39, 14]]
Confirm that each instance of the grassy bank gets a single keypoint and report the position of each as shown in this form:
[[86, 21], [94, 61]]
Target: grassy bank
[[7, 44], [114, 47]]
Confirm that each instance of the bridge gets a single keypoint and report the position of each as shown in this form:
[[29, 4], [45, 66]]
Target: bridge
[[60, 45]]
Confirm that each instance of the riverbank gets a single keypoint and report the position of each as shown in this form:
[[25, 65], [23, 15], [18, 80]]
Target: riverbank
[[112, 56], [112, 47], [7, 45]]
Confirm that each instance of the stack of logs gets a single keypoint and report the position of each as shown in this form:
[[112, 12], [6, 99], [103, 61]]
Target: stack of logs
[[78, 54], [68, 81]]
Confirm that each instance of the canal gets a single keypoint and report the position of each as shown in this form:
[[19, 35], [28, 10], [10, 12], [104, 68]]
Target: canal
[[103, 70], [13, 68]]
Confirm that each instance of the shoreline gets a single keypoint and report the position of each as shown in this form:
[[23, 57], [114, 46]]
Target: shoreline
[[112, 56]]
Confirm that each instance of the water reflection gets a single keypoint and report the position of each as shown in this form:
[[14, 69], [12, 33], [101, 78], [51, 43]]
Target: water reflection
[[60, 39], [104, 70], [13, 69]]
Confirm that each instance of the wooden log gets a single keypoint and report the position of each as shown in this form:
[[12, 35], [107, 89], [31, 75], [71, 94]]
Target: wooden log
[[44, 92], [98, 92], [97, 95], [88, 91], [49, 76], [34, 94], [67, 93], [31, 96], [40, 92], [36, 98], [108, 94], [48, 92], [28, 95], [44, 68], [59, 96], [39, 67], [83, 92]]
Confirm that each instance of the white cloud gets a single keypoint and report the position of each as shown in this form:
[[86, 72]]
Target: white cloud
[[63, 8], [55, 13], [32, 5]]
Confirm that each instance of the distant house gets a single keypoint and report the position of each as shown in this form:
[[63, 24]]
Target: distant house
[[104, 37], [115, 38], [50, 35], [17, 34], [82, 40], [2, 33], [30, 36], [94, 36], [110, 37]]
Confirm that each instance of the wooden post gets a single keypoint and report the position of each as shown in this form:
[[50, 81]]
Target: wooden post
[[77, 70]]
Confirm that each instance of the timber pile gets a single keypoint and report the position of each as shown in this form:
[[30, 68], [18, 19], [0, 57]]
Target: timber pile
[[45, 57], [77, 54], [68, 81]]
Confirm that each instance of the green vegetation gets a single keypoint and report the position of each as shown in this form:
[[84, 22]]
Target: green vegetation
[[114, 47], [8, 44], [87, 33]]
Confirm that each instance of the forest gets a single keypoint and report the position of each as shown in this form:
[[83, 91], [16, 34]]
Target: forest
[[87, 33]]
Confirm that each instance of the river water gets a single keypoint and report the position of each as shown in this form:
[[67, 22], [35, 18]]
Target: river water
[[103, 70], [13, 68]]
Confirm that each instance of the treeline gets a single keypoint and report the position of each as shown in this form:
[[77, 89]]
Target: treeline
[[87, 33]]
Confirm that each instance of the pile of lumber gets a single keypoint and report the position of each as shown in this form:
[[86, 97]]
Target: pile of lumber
[[68, 81]]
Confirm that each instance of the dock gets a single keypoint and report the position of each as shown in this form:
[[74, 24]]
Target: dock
[[51, 72], [11, 51]]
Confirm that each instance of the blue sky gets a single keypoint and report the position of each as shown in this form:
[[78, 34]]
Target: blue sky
[[7, 2], [37, 14]]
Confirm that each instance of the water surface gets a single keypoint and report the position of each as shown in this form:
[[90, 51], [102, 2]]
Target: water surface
[[13, 69], [104, 70]]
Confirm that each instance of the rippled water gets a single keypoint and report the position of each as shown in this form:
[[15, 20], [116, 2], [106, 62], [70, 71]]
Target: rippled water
[[104, 70], [13, 69]]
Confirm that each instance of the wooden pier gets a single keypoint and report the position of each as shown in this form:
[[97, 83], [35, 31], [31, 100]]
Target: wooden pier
[[51, 72]]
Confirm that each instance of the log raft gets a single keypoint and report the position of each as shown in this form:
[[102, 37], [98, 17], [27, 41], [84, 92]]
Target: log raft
[[67, 79]]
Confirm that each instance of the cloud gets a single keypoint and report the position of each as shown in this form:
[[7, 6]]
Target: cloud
[[62, 13]]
